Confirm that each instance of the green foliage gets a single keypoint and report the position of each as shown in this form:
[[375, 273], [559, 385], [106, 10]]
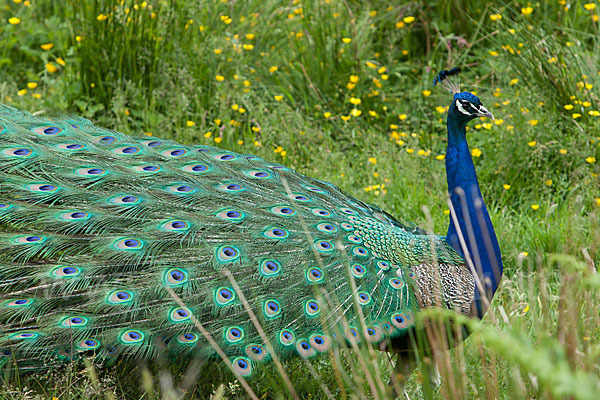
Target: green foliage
[[156, 73]]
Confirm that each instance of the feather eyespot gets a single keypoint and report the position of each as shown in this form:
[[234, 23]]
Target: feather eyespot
[[272, 309], [231, 187], [259, 174], [227, 254], [124, 200], [401, 321], [327, 228], [269, 268], [320, 212], [299, 197], [146, 168], [180, 314], [360, 251], [74, 216], [70, 146], [311, 308], [181, 189], [175, 225], [242, 366], [4, 206], [224, 296], [284, 211], [196, 168], [358, 271], [396, 283], [132, 336], [347, 211], [48, 130], [363, 298], [91, 172], [373, 333], [65, 271], [107, 140], [276, 233], [354, 239], [352, 335], [174, 152], [127, 150], [286, 337], [383, 265], [88, 344], [225, 157], [18, 303], [231, 215], [153, 143], [29, 239], [304, 348], [73, 322], [18, 152], [315, 189], [321, 343], [346, 226], [128, 244], [187, 338], [24, 335], [324, 246], [234, 334], [256, 352], [315, 275], [119, 297], [43, 187], [175, 277]]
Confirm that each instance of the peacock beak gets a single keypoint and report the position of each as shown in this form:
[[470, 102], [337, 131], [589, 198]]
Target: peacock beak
[[483, 112]]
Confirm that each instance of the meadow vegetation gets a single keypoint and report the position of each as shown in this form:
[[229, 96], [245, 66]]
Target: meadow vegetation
[[342, 91]]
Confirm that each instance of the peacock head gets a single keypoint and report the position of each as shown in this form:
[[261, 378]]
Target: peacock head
[[466, 106]]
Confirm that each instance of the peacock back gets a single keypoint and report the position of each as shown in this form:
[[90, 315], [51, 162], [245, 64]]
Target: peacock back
[[113, 246]]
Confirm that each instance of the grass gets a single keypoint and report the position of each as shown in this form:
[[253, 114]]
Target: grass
[[281, 80]]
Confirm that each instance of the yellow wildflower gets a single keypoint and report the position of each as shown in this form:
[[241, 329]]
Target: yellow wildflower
[[51, 68], [32, 85], [589, 6], [563, 151], [373, 160], [355, 100], [526, 10], [402, 117], [220, 78], [218, 139], [355, 112], [493, 53], [535, 206], [476, 152], [21, 92], [399, 24], [548, 182], [372, 113], [102, 17], [576, 115], [590, 160], [60, 61], [426, 92], [495, 17], [354, 78], [532, 143], [410, 151], [513, 81], [568, 106], [47, 46], [249, 36], [345, 118], [506, 186], [440, 157], [327, 114], [273, 69], [346, 40], [408, 20], [190, 124], [278, 97]]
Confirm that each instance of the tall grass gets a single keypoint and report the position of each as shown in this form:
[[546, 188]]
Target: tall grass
[[154, 69]]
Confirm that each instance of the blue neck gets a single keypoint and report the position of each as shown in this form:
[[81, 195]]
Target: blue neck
[[473, 218]]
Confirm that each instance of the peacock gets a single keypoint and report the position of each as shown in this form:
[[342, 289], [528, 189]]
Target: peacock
[[116, 247]]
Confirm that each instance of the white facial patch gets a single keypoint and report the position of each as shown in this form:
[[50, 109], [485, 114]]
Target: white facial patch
[[462, 108]]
